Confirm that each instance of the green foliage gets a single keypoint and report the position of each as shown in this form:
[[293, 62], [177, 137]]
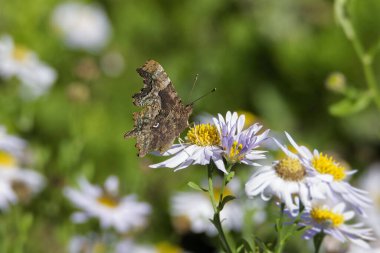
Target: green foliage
[[267, 57]]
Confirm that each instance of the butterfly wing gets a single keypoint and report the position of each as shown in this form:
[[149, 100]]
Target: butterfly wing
[[163, 116]]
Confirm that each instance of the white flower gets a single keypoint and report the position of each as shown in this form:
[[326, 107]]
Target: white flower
[[11, 144], [203, 146], [122, 213], [287, 179], [331, 178], [332, 221], [36, 77], [16, 184], [83, 26], [223, 139], [369, 181], [194, 209]]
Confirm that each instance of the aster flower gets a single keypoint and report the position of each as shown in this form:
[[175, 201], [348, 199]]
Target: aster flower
[[331, 177], [239, 145], [333, 221], [83, 26], [223, 139], [285, 179], [122, 213], [16, 61], [193, 210], [203, 146]]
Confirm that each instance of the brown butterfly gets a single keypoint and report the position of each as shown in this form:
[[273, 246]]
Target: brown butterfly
[[163, 116]]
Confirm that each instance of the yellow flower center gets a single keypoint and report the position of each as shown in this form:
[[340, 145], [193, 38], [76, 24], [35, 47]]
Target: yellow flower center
[[19, 53], [326, 216], [164, 247], [234, 156], [327, 165], [7, 160], [290, 169], [108, 201], [204, 135]]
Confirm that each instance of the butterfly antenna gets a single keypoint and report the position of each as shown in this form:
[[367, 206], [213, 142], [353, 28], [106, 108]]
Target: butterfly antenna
[[195, 81], [208, 93]]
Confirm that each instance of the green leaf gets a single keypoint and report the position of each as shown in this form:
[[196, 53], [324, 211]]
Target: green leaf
[[349, 106], [195, 186], [225, 200]]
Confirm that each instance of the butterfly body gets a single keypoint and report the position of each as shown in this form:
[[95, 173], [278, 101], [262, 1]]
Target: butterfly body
[[163, 116]]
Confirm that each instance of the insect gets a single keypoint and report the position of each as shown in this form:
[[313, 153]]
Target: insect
[[163, 116]]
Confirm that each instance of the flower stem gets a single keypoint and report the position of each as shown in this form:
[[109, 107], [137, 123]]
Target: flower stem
[[216, 219], [366, 59], [318, 239]]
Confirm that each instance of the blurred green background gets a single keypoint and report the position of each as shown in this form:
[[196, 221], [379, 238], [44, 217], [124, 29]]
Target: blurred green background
[[268, 57]]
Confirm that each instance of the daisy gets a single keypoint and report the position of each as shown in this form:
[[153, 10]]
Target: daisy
[[16, 61], [333, 221], [331, 177], [16, 183], [193, 211], [19, 184], [225, 139], [203, 146], [83, 26], [287, 179], [122, 213]]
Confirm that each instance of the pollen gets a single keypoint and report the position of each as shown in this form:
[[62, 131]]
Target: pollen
[[234, 154], [108, 201], [323, 215], [327, 165], [204, 135], [7, 160], [290, 169]]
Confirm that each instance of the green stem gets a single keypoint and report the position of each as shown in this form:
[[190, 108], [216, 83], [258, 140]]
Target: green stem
[[280, 241], [279, 246], [318, 239], [366, 59], [216, 219]]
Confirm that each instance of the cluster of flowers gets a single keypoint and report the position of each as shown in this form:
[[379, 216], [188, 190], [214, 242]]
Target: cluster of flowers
[[80, 26], [309, 184]]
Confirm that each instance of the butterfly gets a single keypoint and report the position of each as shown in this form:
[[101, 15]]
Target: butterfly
[[163, 116]]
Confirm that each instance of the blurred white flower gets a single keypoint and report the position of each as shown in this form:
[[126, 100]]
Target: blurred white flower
[[83, 26], [122, 213], [16, 61], [95, 243], [193, 210], [370, 182], [16, 184], [11, 144]]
